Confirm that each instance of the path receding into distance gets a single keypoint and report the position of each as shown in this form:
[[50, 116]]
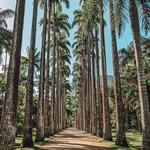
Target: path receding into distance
[[73, 139]]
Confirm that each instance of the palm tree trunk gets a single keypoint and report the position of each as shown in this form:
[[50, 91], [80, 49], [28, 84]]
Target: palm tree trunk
[[27, 134], [40, 113], [46, 103], [120, 110], [57, 93], [88, 85], [106, 112], [94, 108], [86, 88], [61, 95], [98, 93], [83, 89], [53, 75], [143, 95], [8, 122]]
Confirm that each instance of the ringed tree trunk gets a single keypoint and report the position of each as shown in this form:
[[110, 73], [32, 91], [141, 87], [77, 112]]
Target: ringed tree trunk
[[46, 102], [60, 93], [98, 93], [86, 85], [8, 122], [89, 81], [120, 110], [106, 111], [143, 95], [27, 133], [53, 75], [40, 113], [87, 118], [94, 108], [57, 91], [83, 88], [80, 105]]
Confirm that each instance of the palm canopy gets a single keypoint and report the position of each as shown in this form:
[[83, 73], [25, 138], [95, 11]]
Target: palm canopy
[[121, 15], [5, 14], [61, 22], [5, 35]]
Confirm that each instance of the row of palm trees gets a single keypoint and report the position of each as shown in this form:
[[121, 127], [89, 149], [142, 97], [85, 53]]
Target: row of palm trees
[[53, 74], [91, 106]]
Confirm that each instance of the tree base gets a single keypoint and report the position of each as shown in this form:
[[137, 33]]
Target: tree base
[[146, 140], [107, 137], [39, 137], [27, 138], [121, 140], [27, 142]]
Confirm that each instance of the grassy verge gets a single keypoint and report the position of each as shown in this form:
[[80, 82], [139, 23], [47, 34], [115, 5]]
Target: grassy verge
[[134, 140], [36, 145]]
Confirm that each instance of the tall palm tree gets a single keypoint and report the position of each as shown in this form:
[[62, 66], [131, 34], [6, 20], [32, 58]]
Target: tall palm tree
[[40, 112], [99, 99], [60, 23], [8, 122], [27, 136], [46, 102], [143, 95], [106, 112], [53, 74], [120, 121], [94, 106]]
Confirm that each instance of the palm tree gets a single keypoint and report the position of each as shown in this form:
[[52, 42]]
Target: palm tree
[[46, 102], [94, 106], [27, 136], [106, 112], [143, 95], [99, 100], [4, 14], [120, 128], [8, 122], [40, 113], [60, 23], [5, 34], [53, 75]]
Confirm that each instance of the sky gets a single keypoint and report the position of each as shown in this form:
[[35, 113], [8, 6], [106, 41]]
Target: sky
[[74, 4]]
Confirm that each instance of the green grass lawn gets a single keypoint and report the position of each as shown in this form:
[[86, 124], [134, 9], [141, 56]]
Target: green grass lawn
[[36, 145], [134, 140]]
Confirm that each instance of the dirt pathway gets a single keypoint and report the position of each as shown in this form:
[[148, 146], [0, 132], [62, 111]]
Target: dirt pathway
[[72, 139]]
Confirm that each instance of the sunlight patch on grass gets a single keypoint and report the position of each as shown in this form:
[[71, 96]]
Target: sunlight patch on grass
[[36, 145], [134, 139]]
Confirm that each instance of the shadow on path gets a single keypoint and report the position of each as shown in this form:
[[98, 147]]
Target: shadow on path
[[73, 139]]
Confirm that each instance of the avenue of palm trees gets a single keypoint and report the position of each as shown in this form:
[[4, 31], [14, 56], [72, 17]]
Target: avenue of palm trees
[[37, 94]]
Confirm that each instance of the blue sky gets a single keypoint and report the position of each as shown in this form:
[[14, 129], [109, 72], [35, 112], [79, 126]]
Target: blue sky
[[74, 4]]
